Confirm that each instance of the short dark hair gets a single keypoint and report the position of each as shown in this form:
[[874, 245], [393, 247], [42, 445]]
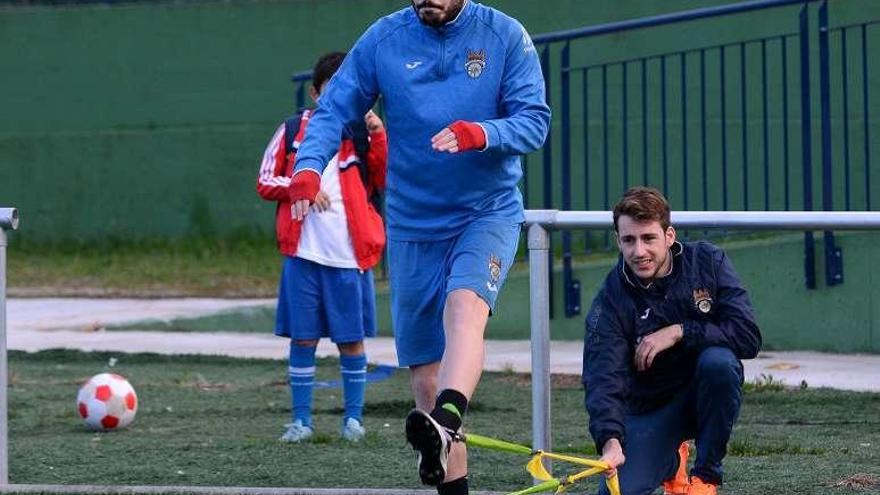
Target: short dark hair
[[643, 204], [325, 67]]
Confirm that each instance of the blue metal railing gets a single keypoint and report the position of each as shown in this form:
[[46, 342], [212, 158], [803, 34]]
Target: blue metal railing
[[713, 125], [722, 122]]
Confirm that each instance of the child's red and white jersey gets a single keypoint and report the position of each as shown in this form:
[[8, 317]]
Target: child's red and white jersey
[[351, 234], [325, 238]]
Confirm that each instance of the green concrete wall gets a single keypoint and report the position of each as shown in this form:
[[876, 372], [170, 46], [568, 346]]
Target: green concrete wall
[[844, 318]]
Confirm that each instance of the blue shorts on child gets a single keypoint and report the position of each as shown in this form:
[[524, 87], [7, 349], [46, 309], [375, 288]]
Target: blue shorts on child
[[317, 301]]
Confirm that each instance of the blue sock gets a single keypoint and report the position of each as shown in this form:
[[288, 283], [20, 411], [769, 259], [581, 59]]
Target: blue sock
[[354, 384], [301, 376]]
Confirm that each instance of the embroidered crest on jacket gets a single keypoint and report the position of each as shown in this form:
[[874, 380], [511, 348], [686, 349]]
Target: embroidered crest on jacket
[[476, 62], [702, 300]]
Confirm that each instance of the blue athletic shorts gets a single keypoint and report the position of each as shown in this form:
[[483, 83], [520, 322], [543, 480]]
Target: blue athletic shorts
[[421, 274], [317, 301]]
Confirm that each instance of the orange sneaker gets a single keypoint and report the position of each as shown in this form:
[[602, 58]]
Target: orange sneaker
[[679, 484], [698, 487]]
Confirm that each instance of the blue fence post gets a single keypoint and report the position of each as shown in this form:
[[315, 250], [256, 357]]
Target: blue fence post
[[723, 124], [765, 125], [548, 167], [572, 295], [588, 239], [833, 253], [663, 120], [745, 125], [865, 101], [703, 150], [785, 152], [806, 145], [844, 70], [644, 121], [684, 133], [301, 79]]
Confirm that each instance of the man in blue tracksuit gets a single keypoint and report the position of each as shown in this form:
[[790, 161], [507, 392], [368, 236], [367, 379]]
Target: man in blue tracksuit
[[662, 350], [463, 96]]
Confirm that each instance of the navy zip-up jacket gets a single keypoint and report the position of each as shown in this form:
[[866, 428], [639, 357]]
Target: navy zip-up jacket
[[702, 293]]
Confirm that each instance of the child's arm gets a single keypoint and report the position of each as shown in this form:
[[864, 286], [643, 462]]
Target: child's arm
[[272, 182]]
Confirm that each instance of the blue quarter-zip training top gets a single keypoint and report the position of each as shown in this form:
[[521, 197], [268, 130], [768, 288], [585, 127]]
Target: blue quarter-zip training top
[[481, 67]]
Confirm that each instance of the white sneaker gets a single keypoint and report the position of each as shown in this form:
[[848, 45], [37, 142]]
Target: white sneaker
[[433, 443], [353, 430], [297, 432]]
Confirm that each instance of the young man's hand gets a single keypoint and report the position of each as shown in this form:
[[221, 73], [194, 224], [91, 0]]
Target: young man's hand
[[655, 343], [459, 136], [303, 190], [612, 454]]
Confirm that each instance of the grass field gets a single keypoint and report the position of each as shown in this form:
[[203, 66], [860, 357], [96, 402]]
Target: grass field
[[215, 422], [245, 266]]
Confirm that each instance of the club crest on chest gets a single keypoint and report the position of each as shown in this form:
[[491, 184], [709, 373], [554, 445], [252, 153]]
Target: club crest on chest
[[702, 300], [476, 63]]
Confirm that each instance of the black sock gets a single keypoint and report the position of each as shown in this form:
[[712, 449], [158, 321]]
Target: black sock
[[455, 487], [449, 409]]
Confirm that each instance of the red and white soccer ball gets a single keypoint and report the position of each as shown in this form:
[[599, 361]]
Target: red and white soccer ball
[[107, 402]]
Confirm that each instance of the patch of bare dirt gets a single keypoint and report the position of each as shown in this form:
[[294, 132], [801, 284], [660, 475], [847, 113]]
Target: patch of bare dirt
[[558, 381], [859, 481]]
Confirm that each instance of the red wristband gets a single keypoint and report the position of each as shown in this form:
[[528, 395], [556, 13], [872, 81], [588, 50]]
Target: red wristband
[[470, 136], [305, 185]]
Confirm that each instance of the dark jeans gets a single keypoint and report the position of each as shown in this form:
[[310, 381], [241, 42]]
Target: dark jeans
[[704, 410]]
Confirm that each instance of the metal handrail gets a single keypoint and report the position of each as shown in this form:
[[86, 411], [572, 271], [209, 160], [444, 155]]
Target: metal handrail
[[659, 20], [630, 24]]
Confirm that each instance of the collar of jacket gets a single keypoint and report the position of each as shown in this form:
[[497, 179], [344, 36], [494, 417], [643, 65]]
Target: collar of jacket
[[633, 281], [454, 26]]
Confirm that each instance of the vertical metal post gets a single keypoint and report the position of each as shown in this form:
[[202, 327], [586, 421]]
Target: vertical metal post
[[766, 125], [867, 132], [844, 69], [663, 120], [685, 176], [624, 125], [807, 146], [743, 109], [723, 87], [785, 161], [833, 253], [703, 151], [606, 165], [8, 220], [572, 287], [645, 121], [606, 162], [539, 310], [300, 101], [587, 183], [548, 161]]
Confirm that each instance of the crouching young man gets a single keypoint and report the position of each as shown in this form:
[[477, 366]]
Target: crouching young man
[[662, 349]]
